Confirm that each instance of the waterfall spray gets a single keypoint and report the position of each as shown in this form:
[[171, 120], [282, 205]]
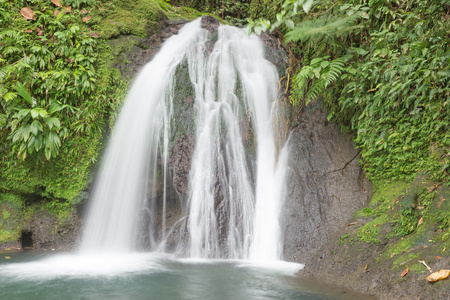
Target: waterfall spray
[[235, 189]]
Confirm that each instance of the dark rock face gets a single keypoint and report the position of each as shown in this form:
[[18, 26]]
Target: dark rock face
[[180, 163], [325, 185], [209, 23], [275, 52], [47, 232], [134, 52]]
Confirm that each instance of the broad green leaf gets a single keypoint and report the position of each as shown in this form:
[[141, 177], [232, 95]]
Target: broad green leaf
[[22, 114], [316, 60], [247, 29], [31, 144], [38, 142], [324, 64], [258, 29], [307, 5], [317, 73], [36, 127], [34, 113], [360, 51], [279, 18], [57, 107], [42, 112], [26, 130], [289, 23], [53, 122], [23, 92], [48, 153]]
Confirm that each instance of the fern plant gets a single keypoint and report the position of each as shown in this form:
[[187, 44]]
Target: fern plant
[[312, 80]]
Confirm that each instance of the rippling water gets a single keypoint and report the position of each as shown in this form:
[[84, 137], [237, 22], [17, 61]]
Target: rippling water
[[149, 276]]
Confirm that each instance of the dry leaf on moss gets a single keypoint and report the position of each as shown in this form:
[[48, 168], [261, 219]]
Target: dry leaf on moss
[[405, 272], [439, 275], [56, 2], [27, 13], [87, 18], [56, 13]]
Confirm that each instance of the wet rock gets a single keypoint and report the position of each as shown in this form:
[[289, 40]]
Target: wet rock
[[326, 185], [209, 23], [46, 231], [132, 53], [180, 163]]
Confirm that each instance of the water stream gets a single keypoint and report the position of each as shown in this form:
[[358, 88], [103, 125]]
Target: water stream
[[232, 208], [232, 249]]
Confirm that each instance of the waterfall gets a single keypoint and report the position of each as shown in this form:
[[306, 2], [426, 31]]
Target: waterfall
[[235, 190]]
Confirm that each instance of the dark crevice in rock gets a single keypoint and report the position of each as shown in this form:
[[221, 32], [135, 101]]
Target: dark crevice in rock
[[26, 240], [345, 166]]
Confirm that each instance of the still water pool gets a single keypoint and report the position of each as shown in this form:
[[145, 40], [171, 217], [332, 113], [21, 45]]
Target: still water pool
[[150, 276]]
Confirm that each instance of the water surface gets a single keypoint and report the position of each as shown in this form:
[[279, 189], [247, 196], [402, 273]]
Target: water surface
[[149, 276]]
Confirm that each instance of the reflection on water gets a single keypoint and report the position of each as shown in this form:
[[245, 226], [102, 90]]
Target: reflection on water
[[150, 276]]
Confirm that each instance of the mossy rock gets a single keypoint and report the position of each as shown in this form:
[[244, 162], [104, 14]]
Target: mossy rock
[[137, 18]]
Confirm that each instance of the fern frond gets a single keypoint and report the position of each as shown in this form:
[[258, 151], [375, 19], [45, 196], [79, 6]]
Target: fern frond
[[14, 34], [11, 50], [319, 27], [336, 68]]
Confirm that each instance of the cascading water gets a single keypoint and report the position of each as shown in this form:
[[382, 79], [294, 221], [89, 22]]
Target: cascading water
[[232, 210]]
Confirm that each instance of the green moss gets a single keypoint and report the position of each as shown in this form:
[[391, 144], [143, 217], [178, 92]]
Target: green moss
[[9, 235], [137, 18], [11, 218], [369, 233]]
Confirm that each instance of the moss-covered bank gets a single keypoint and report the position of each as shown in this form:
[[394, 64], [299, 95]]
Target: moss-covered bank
[[405, 223]]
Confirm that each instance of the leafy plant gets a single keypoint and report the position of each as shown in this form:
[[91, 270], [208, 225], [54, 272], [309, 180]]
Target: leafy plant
[[382, 69]]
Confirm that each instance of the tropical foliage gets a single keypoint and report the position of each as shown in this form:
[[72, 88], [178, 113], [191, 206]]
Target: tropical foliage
[[382, 67], [56, 93], [47, 72]]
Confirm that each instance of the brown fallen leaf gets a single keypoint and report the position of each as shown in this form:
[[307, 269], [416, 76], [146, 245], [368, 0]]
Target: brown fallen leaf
[[420, 221], [405, 272], [27, 13], [432, 188], [438, 257], [39, 31], [441, 200], [392, 255], [87, 19], [68, 8], [352, 223], [439, 275], [56, 2], [56, 13], [94, 34], [29, 31]]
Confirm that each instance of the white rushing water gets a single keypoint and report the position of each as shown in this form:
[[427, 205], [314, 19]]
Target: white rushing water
[[234, 202]]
